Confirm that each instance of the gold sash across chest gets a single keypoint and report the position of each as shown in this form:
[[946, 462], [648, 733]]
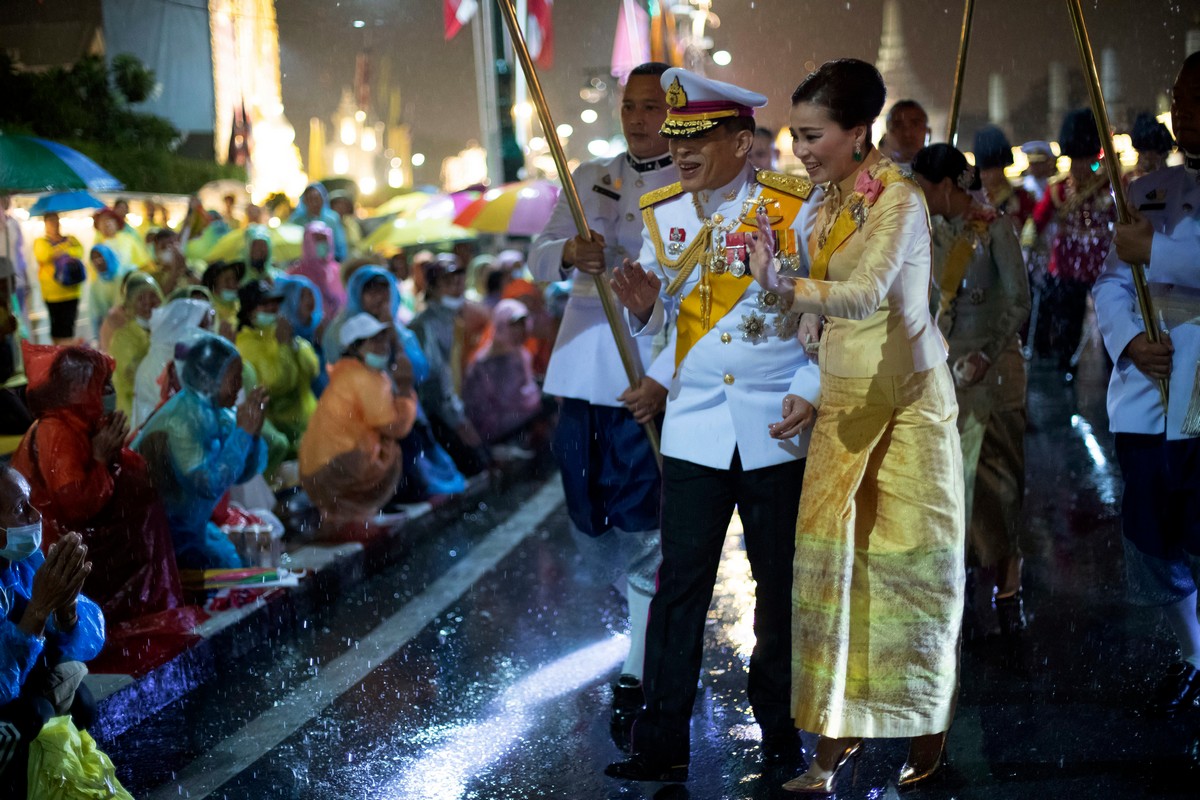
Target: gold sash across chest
[[716, 293], [958, 259]]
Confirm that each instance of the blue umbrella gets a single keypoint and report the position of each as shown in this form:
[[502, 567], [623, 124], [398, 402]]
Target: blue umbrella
[[30, 164], [64, 201]]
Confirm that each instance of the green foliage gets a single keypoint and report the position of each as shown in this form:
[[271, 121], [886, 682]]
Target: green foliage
[[143, 170], [88, 106], [131, 78]]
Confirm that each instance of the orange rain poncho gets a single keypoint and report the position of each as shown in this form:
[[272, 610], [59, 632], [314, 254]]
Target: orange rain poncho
[[113, 506], [350, 461]]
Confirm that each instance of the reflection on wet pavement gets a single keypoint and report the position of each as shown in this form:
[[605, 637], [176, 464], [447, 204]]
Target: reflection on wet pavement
[[505, 693]]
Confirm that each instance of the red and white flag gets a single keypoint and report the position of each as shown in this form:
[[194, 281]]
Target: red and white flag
[[539, 32], [456, 14]]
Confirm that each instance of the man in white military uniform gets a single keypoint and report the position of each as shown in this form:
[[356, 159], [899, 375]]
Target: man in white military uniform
[[738, 363], [609, 469], [1159, 453]]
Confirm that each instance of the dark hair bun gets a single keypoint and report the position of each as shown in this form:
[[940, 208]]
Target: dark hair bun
[[936, 162], [992, 148], [1079, 137], [1150, 134], [851, 90]]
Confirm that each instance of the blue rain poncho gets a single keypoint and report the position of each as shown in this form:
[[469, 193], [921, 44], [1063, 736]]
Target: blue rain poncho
[[327, 215], [104, 291], [408, 339], [293, 287], [18, 650], [197, 452]]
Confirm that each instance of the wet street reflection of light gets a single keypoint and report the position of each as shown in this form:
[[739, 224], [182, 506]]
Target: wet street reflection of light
[[1104, 478], [734, 593], [1089, 440], [464, 751]]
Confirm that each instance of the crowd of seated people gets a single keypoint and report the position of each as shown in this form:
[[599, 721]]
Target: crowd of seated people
[[177, 384], [360, 382]]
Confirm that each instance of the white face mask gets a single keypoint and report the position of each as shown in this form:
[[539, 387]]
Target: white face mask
[[143, 321], [22, 541], [453, 303]]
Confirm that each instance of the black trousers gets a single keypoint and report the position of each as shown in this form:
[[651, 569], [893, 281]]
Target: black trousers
[[1064, 307], [698, 503], [469, 460]]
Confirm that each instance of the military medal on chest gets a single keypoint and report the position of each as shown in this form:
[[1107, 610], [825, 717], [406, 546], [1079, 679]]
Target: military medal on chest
[[675, 245]]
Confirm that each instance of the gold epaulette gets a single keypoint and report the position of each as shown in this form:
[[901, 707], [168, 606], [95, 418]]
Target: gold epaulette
[[790, 184], [656, 196]]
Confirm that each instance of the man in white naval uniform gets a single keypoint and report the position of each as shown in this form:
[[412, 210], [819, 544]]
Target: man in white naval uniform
[[1159, 453], [609, 469], [738, 364]]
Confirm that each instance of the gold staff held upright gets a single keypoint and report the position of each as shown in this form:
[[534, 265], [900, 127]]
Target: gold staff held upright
[[1113, 166], [960, 69], [615, 323]]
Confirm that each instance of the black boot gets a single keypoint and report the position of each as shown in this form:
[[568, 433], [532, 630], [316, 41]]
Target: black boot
[[1178, 689], [641, 767], [627, 701], [1010, 613]]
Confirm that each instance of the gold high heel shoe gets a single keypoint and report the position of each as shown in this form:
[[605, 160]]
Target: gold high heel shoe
[[914, 775], [823, 785]]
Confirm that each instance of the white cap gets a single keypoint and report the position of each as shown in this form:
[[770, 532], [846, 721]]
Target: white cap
[[1037, 148], [696, 104], [360, 326]]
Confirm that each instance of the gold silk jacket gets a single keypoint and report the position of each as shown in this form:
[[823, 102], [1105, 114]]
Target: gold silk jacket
[[876, 293]]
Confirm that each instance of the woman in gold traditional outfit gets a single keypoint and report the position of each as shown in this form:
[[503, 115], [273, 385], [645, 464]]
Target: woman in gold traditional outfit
[[878, 575], [981, 300]]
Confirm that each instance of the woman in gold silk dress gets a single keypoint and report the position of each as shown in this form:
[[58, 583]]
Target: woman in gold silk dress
[[878, 575]]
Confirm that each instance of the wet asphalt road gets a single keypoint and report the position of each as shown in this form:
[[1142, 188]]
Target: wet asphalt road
[[496, 685]]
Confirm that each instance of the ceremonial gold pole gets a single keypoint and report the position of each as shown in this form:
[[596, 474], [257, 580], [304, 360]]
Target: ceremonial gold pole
[[1113, 167], [959, 70], [632, 366]]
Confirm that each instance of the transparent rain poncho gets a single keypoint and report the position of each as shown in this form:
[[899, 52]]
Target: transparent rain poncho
[[197, 451], [172, 324]]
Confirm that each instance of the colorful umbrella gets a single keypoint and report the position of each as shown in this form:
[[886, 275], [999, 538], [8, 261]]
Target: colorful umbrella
[[516, 209], [426, 205], [63, 202], [29, 164], [287, 241], [402, 232], [404, 204]]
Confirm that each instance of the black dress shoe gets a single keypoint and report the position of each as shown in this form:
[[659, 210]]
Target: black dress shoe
[[1010, 614], [783, 748], [628, 699], [641, 767], [1178, 689]]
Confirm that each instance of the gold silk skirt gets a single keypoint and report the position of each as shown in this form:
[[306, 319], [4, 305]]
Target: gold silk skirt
[[879, 570]]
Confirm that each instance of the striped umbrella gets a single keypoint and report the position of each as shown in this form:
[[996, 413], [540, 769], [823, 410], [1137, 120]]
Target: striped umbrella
[[423, 205], [516, 209], [30, 164]]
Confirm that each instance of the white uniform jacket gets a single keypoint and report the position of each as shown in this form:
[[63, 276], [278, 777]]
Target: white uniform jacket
[[1170, 199], [585, 364], [730, 385]]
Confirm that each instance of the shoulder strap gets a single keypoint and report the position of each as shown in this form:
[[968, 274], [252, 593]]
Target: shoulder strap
[[788, 184], [657, 196]]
